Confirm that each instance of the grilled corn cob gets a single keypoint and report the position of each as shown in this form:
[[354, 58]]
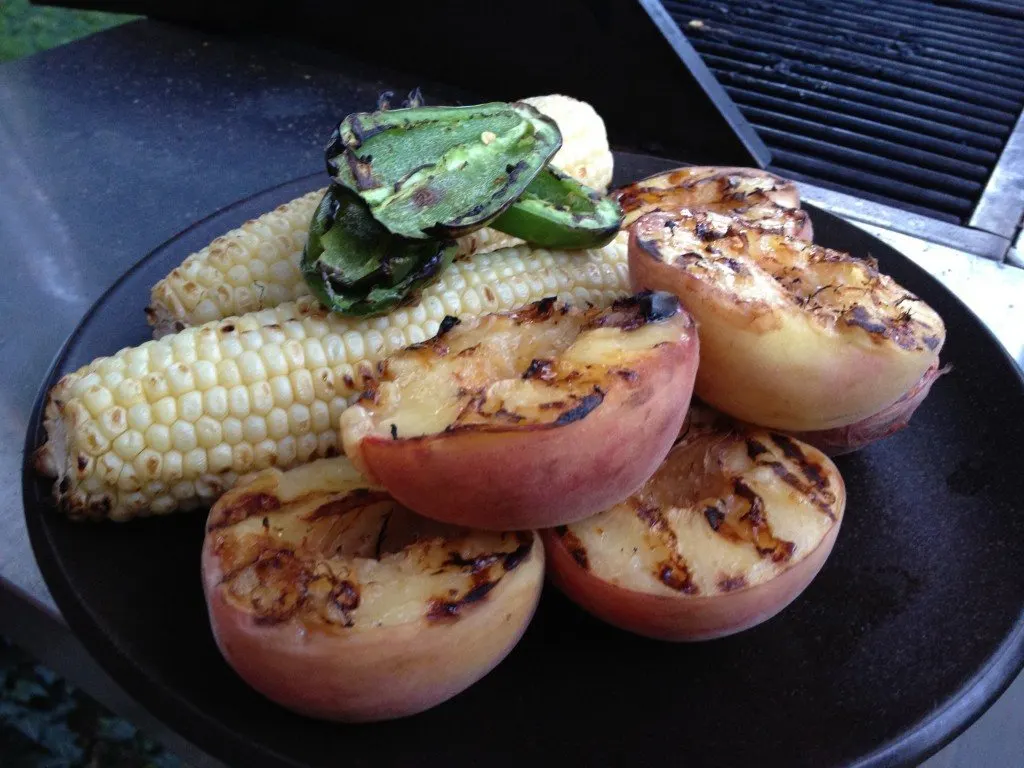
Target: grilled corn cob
[[177, 421], [257, 266]]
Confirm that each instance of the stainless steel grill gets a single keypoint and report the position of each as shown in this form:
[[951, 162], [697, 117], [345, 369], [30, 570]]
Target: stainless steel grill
[[905, 102]]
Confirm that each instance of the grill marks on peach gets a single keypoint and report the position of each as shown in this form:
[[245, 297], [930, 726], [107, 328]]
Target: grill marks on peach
[[276, 582], [486, 569], [832, 286], [574, 546], [671, 570]]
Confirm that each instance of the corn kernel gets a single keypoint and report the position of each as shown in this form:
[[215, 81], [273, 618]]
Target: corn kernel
[[179, 378], [230, 345], [183, 436], [129, 444], [302, 386], [252, 367], [293, 353], [155, 387], [208, 432], [251, 340], [232, 429], [281, 391], [92, 440], [129, 392], [219, 457], [161, 505], [238, 401], [264, 454], [97, 399], [254, 429], [287, 451], [114, 421], [313, 351], [299, 419], [306, 446], [242, 458], [260, 397], [108, 468], [215, 403], [173, 469], [183, 489], [204, 373], [165, 411], [158, 437], [148, 464], [320, 416], [334, 348], [195, 462], [277, 423]]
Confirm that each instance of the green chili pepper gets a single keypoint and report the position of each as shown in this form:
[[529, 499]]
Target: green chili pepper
[[354, 266], [556, 211], [441, 171]]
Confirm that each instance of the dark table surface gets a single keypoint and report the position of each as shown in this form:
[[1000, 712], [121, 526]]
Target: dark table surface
[[111, 145]]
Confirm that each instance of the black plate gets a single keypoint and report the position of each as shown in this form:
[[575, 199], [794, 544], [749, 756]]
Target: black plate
[[913, 627]]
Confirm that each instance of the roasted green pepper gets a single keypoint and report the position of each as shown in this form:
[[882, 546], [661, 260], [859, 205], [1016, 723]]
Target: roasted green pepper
[[441, 171], [556, 211], [354, 266]]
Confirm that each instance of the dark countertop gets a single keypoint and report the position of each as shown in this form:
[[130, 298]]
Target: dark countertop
[[113, 144]]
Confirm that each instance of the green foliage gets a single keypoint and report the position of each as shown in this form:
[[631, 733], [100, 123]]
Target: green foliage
[[47, 723], [26, 29]]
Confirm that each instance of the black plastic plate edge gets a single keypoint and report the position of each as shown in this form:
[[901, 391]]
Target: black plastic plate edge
[[929, 736]]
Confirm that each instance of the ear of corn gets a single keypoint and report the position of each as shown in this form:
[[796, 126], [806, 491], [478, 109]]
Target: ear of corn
[[177, 421], [256, 266]]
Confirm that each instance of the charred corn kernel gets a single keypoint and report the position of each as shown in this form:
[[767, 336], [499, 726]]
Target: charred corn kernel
[[177, 420], [256, 266]]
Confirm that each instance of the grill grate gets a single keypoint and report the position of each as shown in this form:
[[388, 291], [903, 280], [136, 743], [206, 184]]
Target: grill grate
[[901, 101]]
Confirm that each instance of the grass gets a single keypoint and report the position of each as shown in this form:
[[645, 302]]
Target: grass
[[26, 29]]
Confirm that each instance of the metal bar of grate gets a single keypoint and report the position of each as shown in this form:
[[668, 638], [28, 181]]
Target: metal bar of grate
[[843, 28], [976, 43], [905, 100], [953, 80], [831, 79], [908, 151], [800, 166], [854, 158], [860, 102], [929, 134]]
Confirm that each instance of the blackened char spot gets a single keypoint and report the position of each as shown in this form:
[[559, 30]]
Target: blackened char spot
[[574, 546], [394, 431], [859, 317], [360, 497], [714, 517], [755, 449], [244, 507], [582, 409], [813, 471], [731, 583], [540, 368], [932, 342], [650, 247], [447, 324]]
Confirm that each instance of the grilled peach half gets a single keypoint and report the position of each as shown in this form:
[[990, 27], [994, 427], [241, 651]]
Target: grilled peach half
[[530, 418], [331, 599], [731, 529], [888, 421], [793, 336], [752, 196]]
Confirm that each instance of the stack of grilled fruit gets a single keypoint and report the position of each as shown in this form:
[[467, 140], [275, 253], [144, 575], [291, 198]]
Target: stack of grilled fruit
[[463, 365]]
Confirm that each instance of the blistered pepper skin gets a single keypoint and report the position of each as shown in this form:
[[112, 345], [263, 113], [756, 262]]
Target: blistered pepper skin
[[354, 266], [437, 172], [556, 211]]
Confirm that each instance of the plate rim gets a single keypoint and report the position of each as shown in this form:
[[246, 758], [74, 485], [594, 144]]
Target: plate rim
[[176, 712]]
